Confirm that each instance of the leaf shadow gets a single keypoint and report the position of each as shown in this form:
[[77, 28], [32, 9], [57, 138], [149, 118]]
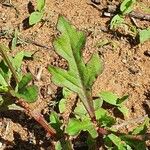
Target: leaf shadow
[[32, 127], [31, 7], [146, 103], [114, 110], [25, 23], [133, 41]]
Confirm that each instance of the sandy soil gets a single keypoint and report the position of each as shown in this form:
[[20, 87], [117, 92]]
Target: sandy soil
[[126, 67]]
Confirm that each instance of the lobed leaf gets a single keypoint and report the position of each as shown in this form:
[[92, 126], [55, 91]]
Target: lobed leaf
[[80, 76]]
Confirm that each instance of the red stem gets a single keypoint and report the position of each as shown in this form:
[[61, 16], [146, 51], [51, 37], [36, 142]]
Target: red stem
[[38, 117]]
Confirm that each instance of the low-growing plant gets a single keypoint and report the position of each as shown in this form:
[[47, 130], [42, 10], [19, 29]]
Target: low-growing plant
[[85, 114], [15, 88], [37, 15], [144, 35], [78, 111], [126, 7]]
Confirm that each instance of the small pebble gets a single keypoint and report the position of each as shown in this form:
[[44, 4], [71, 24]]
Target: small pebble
[[134, 70], [147, 53]]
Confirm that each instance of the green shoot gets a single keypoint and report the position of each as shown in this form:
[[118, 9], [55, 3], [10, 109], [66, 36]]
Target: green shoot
[[144, 35], [80, 76], [125, 8], [20, 91], [37, 15]]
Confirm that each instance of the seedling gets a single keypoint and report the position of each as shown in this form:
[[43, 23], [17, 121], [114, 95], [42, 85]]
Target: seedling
[[86, 114], [118, 20], [37, 15], [125, 8], [144, 35], [20, 91]]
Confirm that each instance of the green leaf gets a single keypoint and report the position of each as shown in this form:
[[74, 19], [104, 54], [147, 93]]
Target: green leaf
[[35, 17], [93, 68], [124, 110], [113, 99], [144, 35], [2, 81], [136, 145], [28, 54], [54, 118], [4, 71], [97, 103], [40, 5], [141, 129], [55, 122], [103, 117], [121, 100], [79, 77], [66, 92], [87, 125], [29, 93], [3, 77], [74, 127], [117, 141], [58, 146], [17, 60], [80, 110], [109, 97], [24, 81], [127, 6], [62, 105], [62, 102], [116, 21], [3, 89]]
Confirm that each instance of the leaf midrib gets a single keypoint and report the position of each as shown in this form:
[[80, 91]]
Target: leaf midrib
[[85, 97]]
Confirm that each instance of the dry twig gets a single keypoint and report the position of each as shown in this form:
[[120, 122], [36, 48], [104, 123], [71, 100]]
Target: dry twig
[[112, 9], [128, 122]]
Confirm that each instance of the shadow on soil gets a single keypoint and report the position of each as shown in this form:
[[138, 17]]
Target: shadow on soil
[[146, 104], [39, 141], [25, 22]]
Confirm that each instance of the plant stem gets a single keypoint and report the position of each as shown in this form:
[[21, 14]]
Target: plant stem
[[37, 116], [6, 59], [141, 137]]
